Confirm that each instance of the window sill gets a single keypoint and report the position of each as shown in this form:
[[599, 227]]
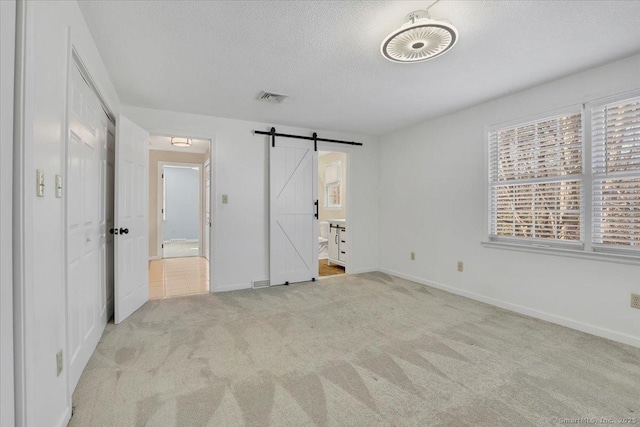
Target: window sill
[[571, 253]]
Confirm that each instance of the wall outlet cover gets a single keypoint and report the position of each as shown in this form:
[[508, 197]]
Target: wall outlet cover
[[635, 301], [413, 256], [225, 198], [58, 186], [460, 266], [59, 362]]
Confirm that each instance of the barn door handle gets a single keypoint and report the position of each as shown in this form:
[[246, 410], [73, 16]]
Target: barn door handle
[[124, 231], [316, 204]]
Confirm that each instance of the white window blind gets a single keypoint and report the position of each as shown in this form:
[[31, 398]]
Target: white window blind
[[615, 130], [536, 181]]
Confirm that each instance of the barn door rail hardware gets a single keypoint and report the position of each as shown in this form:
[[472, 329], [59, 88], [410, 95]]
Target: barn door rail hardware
[[272, 133]]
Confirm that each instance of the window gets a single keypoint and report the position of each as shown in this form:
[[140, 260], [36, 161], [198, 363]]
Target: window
[[615, 133], [552, 184], [535, 175], [333, 185]]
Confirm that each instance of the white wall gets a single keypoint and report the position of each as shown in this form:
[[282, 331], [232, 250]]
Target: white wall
[[433, 186], [240, 169], [7, 55], [49, 28]]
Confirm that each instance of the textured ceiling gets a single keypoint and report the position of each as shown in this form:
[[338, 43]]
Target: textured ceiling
[[214, 57]]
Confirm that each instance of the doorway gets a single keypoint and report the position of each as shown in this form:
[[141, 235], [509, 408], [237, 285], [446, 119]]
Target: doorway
[[179, 226], [333, 241]]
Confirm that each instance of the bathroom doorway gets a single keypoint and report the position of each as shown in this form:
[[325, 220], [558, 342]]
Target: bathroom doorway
[[333, 240]]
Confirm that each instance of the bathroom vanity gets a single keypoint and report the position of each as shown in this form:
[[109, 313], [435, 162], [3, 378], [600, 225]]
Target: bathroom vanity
[[338, 242]]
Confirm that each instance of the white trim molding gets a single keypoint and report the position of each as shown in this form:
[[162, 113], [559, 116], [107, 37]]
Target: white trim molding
[[527, 311], [228, 288], [7, 82]]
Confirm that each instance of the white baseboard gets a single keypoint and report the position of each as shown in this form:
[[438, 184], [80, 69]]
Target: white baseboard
[[363, 270], [227, 288], [543, 315]]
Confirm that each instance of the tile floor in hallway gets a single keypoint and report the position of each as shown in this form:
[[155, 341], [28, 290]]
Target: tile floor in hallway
[[178, 276]]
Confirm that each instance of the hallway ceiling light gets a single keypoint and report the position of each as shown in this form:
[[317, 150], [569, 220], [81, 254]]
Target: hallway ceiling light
[[181, 142], [420, 39]]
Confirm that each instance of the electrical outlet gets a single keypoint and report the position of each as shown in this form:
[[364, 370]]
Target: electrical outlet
[[59, 362], [460, 266], [413, 256], [225, 198], [635, 301]]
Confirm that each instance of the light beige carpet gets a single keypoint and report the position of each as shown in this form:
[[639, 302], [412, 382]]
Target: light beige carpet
[[356, 350]]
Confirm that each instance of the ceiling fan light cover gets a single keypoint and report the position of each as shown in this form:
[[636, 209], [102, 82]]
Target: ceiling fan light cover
[[181, 142], [419, 40]]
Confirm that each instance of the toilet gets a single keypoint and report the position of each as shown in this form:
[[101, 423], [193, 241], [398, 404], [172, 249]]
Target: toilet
[[323, 241]]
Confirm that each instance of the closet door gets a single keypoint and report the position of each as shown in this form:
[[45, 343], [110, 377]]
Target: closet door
[[83, 218], [293, 224]]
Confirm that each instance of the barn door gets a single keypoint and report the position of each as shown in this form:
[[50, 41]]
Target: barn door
[[131, 218], [293, 212]]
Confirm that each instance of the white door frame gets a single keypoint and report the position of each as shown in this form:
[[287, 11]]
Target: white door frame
[[206, 225], [160, 181], [348, 150], [7, 27]]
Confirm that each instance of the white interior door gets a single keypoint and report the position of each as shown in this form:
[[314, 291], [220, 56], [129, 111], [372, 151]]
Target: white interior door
[[131, 218], [293, 207], [86, 148], [207, 208]]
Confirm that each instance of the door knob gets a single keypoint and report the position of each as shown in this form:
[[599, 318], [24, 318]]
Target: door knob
[[124, 231]]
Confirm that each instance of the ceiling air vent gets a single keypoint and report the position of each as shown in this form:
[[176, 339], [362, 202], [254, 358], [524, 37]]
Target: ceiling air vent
[[274, 98]]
